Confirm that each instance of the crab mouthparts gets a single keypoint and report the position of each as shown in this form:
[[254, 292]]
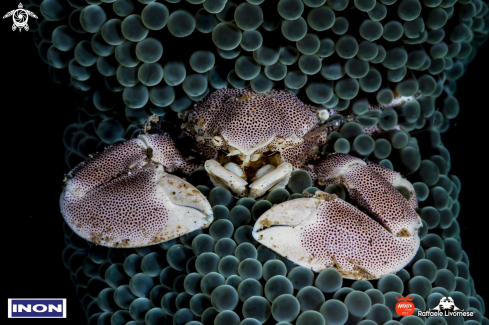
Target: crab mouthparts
[[249, 163], [236, 171]]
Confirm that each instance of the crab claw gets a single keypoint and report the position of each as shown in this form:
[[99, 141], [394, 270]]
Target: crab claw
[[325, 231], [123, 197], [278, 177], [372, 191], [222, 176], [395, 179]]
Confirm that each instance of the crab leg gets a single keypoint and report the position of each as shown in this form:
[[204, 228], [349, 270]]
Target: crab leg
[[325, 231], [123, 197]]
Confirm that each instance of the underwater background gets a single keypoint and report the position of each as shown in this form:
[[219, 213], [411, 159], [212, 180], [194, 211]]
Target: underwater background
[[36, 112]]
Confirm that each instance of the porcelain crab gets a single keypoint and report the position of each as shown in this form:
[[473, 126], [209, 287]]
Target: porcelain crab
[[126, 195]]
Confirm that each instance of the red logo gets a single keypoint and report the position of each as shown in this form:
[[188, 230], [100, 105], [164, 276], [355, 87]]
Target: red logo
[[405, 307]]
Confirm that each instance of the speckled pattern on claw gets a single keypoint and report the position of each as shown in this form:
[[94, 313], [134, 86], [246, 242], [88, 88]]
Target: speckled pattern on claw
[[378, 236], [123, 197]]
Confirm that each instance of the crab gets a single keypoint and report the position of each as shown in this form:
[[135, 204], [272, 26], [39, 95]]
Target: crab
[[126, 195]]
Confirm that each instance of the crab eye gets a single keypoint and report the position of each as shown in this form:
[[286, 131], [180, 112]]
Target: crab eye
[[217, 140], [323, 114]]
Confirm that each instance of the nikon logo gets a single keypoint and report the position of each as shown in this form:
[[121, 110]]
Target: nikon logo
[[37, 308]]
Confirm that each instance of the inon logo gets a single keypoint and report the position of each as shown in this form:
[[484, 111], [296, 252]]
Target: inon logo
[[405, 307], [37, 308]]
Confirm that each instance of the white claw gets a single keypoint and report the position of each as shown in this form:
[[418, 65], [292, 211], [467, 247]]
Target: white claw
[[187, 208], [282, 184], [326, 231], [120, 198], [143, 208], [234, 168], [292, 213], [183, 193], [264, 170], [226, 177], [267, 181], [276, 229], [216, 182]]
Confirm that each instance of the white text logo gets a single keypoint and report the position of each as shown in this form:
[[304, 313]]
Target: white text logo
[[446, 307], [20, 17], [37, 308]]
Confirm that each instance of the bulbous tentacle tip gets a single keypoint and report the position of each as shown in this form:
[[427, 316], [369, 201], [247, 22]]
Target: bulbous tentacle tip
[[140, 209], [324, 231]]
